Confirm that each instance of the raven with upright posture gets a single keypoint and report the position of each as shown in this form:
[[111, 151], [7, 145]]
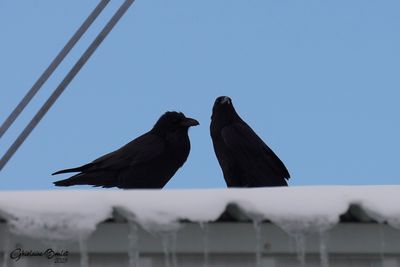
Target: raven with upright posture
[[149, 161], [246, 161]]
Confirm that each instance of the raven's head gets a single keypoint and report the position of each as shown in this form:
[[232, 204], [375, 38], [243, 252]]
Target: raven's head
[[223, 110], [172, 121], [223, 100]]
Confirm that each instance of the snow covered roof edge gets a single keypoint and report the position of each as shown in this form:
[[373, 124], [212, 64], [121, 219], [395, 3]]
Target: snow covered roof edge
[[74, 214]]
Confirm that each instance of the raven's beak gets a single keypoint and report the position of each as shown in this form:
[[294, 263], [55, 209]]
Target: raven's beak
[[189, 122]]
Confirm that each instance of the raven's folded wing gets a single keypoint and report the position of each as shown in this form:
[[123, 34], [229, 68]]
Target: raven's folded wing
[[251, 151], [142, 149]]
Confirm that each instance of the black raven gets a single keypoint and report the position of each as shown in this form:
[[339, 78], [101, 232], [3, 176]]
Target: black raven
[[245, 160], [149, 161]]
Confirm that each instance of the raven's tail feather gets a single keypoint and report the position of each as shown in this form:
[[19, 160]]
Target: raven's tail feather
[[78, 169], [65, 182], [74, 180], [68, 170], [101, 178]]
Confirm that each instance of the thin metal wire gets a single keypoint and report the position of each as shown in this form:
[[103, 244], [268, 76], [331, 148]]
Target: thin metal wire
[[68, 78], [53, 66]]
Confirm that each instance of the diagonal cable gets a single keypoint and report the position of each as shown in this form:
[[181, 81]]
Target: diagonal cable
[[65, 82], [52, 67]]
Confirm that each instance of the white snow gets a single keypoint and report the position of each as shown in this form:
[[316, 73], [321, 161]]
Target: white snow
[[74, 214], [54, 215]]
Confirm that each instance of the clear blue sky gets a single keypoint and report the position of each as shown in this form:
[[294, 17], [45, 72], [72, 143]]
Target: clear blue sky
[[319, 81]]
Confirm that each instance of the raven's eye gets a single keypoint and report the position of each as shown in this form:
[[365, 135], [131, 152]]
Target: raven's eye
[[177, 120]]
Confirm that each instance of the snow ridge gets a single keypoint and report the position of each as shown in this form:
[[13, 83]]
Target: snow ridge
[[74, 214]]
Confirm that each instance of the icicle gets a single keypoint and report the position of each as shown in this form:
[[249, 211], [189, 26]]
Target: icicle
[[168, 240], [291, 243], [204, 228], [165, 244], [382, 243], [133, 245], [298, 231], [6, 247], [300, 243], [257, 230], [83, 252], [173, 249], [323, 253]]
